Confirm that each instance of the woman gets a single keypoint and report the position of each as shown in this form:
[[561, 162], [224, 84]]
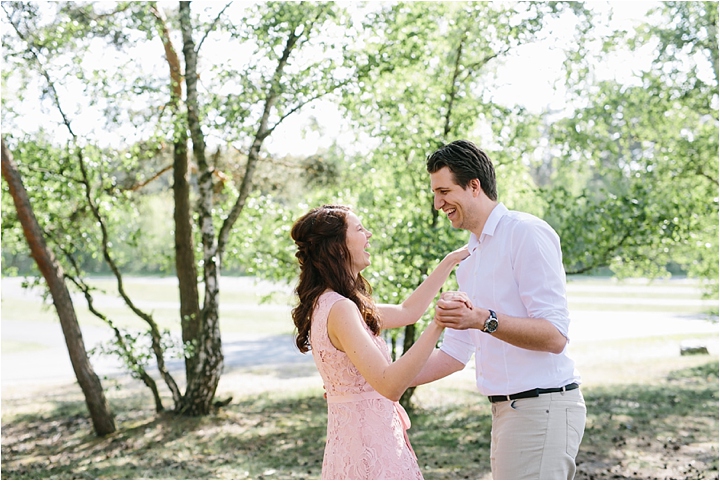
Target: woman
[[337, 318]]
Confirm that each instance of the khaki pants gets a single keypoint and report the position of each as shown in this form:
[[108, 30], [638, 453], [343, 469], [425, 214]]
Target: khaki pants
[[537, 438]]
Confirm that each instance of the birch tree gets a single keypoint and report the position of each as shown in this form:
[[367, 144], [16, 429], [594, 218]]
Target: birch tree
[[291, 56]]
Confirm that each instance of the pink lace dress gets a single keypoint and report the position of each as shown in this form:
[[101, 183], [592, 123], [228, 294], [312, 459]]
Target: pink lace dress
[[366, 433]]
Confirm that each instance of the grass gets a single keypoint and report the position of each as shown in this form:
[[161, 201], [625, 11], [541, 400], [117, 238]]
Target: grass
[[269, 435], [9, 346], [249, 307], [632, 361], [251, 319], [662, 430], [630, 307], [244, 307], [664, 427]]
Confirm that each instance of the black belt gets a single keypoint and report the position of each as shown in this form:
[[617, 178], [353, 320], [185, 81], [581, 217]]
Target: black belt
[[532, 393]]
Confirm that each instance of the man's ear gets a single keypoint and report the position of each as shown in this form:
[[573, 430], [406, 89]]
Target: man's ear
[[475, 187]]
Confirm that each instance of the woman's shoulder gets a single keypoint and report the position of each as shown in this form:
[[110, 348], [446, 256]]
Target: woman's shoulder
[[329, 299], [337, 303], [331, 296]]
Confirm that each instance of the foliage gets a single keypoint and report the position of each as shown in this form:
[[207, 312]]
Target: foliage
[[435, 64], [57, 193], [136, 351], [635, 183], [291, 57]]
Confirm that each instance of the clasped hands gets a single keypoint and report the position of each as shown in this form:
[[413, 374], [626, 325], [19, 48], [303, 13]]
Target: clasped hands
[[455, 310]]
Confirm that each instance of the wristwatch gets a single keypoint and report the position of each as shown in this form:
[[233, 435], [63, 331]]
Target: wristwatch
[[491, 324]]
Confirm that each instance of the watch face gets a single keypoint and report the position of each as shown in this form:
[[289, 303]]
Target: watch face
[[491, 325]]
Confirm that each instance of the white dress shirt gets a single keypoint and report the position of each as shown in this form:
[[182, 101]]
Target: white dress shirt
[[514, 268]]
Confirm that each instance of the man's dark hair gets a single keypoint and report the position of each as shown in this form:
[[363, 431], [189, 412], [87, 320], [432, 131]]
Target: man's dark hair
[[466, 161]]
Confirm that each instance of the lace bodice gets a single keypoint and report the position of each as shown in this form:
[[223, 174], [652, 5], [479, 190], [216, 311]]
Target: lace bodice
[[341, 377]]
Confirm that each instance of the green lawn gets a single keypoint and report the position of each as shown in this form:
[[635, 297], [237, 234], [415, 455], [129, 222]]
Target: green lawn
[[10, 346], [243, 307]]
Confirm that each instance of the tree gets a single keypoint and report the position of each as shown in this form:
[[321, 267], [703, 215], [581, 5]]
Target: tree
[[100, 413], [635, 168], [435, 64], [241, 103], [425, 81]]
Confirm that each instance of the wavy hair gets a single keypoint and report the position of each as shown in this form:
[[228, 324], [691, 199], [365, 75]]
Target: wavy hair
[[320, 236]]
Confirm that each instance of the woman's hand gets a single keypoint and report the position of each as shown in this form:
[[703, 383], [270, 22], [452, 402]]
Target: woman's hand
[[417, 303], [459, 255]]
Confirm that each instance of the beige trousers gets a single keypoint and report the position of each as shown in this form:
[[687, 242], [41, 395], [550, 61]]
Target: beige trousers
[[537, 438]]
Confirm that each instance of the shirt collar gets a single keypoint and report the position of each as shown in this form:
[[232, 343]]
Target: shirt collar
[[490, 225]]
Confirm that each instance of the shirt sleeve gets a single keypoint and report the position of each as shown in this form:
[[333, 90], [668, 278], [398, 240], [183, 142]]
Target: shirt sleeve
[[540, 275], [457, 345]]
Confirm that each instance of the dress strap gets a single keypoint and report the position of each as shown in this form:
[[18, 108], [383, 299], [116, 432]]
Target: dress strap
[[402, 414]]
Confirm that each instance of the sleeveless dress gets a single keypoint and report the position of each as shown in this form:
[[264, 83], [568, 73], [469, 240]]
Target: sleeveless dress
[[366, 432]]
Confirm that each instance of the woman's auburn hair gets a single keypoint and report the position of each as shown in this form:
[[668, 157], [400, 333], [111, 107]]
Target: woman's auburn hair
[[320, 236]]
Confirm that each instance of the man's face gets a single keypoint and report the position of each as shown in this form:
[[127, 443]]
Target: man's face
[[449, 197]]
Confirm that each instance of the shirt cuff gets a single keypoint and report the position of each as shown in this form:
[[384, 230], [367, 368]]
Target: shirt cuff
[[457, 348]]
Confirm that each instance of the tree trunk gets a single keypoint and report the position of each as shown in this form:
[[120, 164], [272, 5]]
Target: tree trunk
[[207, 366], [102, 417], [407, 344], [185, 267]]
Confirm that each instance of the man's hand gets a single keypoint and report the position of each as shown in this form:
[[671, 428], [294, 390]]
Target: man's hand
[[455, 310]]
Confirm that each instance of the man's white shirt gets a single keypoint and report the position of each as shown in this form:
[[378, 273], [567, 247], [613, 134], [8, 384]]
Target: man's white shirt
[[514, 268]]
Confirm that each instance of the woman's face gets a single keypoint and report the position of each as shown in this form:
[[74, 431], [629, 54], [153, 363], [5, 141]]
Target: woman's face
[[357, 238]]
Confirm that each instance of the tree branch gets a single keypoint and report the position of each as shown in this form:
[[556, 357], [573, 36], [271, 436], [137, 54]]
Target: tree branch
[[155, 332], [171, 56], [480, 63], [262, 132], [211, 28], [453, 88], [131, 361], [603, 262], [44, 73], [155, 176]]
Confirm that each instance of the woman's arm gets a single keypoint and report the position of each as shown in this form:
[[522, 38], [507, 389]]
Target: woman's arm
[[438, 366], [399, 315], [347, 332]]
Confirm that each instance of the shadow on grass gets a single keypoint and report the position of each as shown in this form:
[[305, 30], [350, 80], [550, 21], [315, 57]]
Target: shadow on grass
[[258, 438], [667, 429], [452, 441]]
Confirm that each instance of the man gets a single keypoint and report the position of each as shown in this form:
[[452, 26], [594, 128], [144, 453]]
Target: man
[[512, 314]]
